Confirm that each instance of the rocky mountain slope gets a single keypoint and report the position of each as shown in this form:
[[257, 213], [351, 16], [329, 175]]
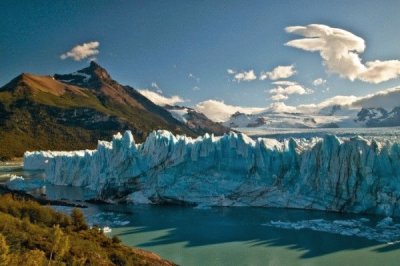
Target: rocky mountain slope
[[195, 120], [73, 111]]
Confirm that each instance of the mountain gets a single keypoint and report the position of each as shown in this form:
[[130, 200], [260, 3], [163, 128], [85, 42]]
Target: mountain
[[337, 174], [381, 109], [379, 117], [72, 111], [271, 119], [195, 120]]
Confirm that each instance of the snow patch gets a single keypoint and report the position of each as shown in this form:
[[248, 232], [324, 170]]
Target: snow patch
[[87, 77]]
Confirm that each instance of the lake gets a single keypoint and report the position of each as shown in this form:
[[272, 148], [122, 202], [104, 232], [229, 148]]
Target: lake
[[239, 235]]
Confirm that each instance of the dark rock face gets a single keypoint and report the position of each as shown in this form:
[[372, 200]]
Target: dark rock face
[[258, 122], [379, 117], [199, 122], [91, 77]]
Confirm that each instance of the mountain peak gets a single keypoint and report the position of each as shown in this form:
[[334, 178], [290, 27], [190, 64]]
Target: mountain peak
[[92, 76], [96, 70]]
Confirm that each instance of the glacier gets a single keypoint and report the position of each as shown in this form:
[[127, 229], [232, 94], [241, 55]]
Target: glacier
[[330, 173]]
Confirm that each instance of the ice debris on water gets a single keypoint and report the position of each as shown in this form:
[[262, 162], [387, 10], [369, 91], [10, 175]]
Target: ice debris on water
[[384, 231]]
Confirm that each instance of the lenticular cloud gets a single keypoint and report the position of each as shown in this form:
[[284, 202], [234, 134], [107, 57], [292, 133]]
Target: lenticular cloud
[[340, 51]]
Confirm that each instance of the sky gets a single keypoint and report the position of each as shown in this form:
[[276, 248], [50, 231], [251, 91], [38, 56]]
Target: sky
[[243, 53]]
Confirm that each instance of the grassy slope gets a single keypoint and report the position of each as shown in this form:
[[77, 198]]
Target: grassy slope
[[31, 234]]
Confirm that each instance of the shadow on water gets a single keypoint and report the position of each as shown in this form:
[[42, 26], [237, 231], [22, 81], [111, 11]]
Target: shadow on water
[[198, 227]]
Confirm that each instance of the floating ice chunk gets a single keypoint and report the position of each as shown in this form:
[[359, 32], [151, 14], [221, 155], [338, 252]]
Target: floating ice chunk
[[19, 183], [121, 223], [106, 229], [16, 178], [138, 198], [385, 234]]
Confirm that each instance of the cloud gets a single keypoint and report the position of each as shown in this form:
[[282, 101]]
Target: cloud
[[340, 51], [319, 82], [196, 88], [160, 99], [344, 100], [314, 108], [155, 86], [242, 76], [191, 76], [388, 98], [218, 111], [279, 72], [286, 88], [279, 97], [379, 71], [280, 107], [82, 51], [284, 83]]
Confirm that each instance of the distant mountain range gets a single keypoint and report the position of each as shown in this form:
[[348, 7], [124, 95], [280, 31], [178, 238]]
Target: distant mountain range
[[376, 110], [73, 111]]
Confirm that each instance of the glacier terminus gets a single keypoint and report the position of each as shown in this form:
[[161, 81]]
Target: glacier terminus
[[330, 173]]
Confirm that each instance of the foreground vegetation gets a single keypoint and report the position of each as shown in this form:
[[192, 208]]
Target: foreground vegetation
[[35, 235]]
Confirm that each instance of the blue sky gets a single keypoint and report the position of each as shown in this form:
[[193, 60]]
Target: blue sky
[[187, 47]]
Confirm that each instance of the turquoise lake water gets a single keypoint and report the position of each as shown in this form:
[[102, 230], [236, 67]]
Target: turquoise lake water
[[239, 236]]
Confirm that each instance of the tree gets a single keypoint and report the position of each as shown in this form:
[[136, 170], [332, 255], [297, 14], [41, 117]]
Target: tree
[[32, 258], [60, 244], [78, 220], [4, 249]]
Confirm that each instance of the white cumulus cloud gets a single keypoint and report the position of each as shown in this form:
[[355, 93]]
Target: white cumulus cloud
[[82, 51], [319, 82], [284, 83], [340, 51], [160, 99], [286, 88], [219, 111], [243, 75], [281, 107], [279, 72]]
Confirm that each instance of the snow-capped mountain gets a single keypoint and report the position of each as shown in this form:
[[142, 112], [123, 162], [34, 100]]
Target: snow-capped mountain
[[374, 110], [379, 117], [280, 120], [196, 120]]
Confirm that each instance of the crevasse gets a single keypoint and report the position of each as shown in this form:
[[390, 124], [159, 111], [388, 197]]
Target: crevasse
[[347, 175]]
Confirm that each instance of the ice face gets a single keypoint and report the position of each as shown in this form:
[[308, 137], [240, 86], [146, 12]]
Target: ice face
[[347, 175]]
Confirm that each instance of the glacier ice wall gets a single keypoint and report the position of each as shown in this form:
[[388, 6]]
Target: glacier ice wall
[[347, 175]]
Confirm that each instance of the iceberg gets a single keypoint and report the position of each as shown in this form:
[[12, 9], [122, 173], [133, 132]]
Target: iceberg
[[330, 173]]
